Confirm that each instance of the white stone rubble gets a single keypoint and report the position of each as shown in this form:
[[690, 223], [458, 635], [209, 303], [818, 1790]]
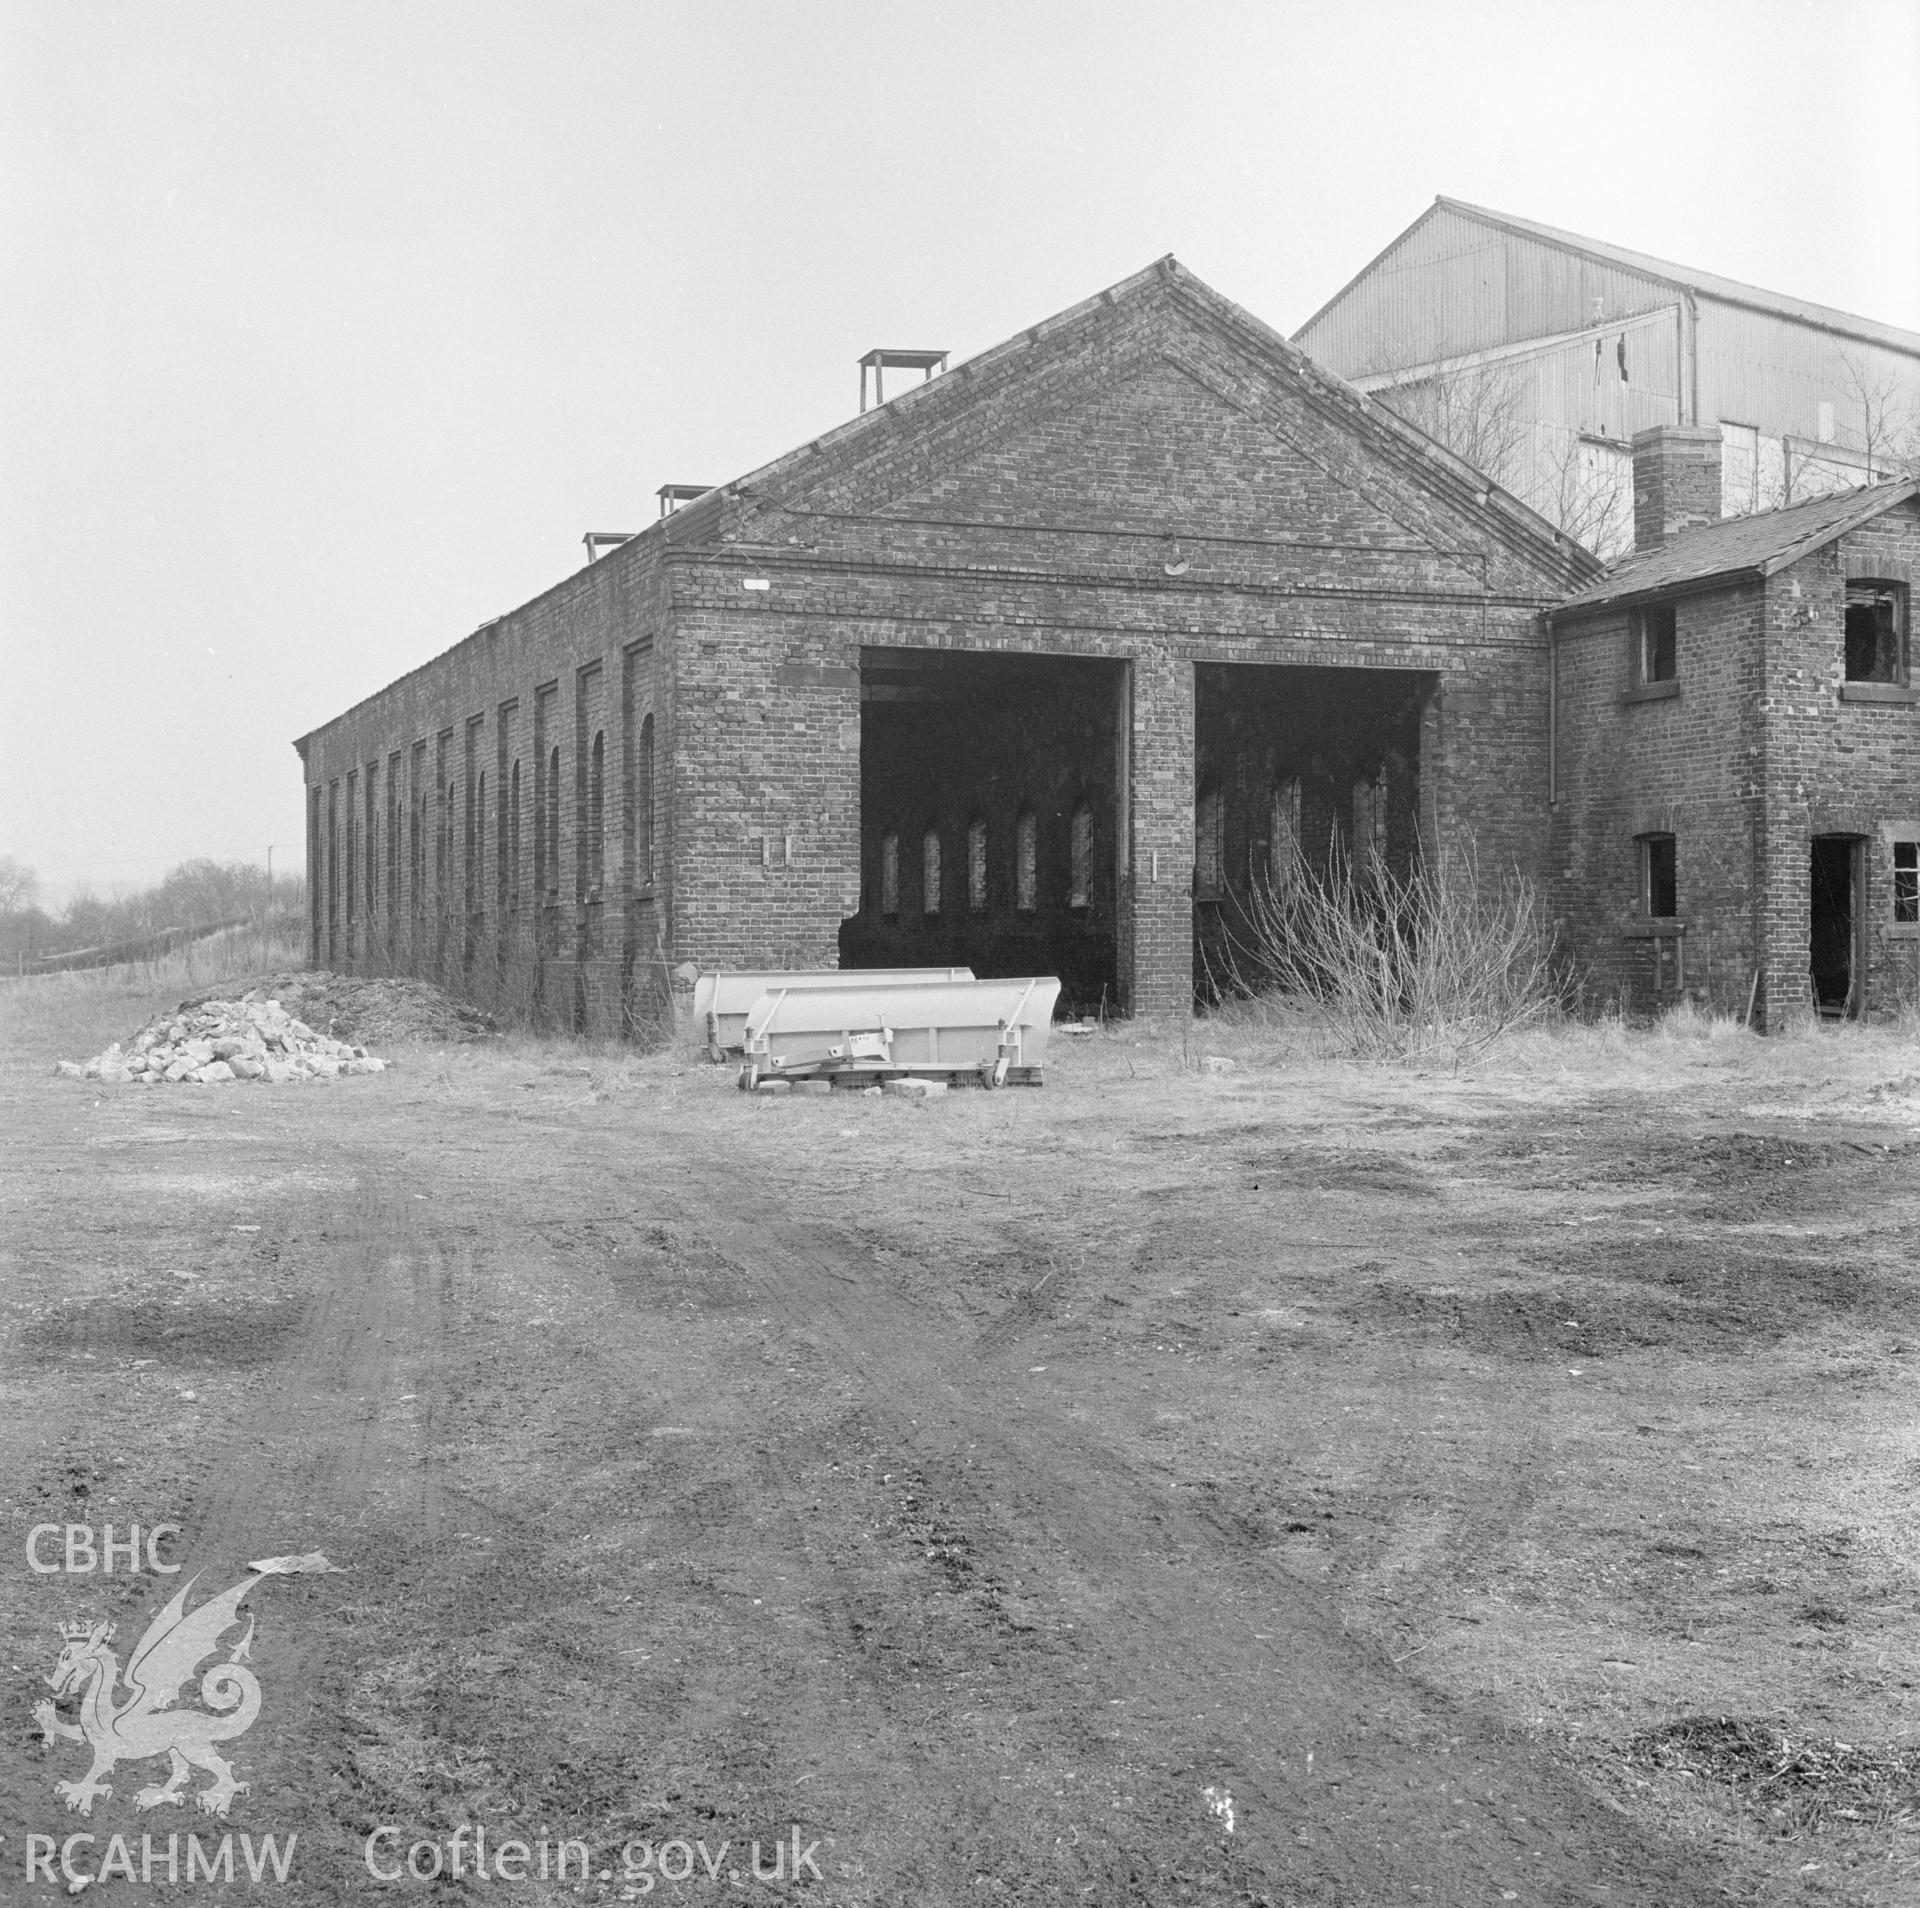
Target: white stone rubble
[[253, 1038]]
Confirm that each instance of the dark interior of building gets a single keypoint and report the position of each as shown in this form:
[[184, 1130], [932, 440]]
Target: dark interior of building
[[1321, 764], [1833, 935], [989, 800]]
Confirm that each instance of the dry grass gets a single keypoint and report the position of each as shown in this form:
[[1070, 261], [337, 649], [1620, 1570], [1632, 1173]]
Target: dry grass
[[1436, 964], [69, 1016], [1795, 1783], [1577, 1376]]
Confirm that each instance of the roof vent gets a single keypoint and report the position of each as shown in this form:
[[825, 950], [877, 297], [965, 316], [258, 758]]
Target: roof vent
[[672, 496], [599, 542], [879, 362]]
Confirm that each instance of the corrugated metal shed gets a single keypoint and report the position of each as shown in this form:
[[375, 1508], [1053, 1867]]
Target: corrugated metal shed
[[1598, 342], [1452, 283]]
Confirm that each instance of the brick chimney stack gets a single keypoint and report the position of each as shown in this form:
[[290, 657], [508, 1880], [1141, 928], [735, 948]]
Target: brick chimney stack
[[1676, 481]]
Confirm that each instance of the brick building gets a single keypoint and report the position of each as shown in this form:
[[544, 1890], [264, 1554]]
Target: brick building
[[1033, 667], [1736, 742]]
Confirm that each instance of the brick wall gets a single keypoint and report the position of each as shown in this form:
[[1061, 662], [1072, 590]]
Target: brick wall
[[1836, 765], [1635, 762], [1759, 748], [1151, 480], [462, 886]]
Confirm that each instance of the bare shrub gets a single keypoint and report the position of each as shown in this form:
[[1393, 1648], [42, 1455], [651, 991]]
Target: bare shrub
[[1435, 964]]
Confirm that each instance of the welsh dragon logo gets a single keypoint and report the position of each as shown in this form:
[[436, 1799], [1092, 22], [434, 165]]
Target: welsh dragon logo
[[144, 1723]]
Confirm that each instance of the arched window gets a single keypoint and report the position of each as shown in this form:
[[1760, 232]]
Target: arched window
[[889, 873], [930, 872], [477, 895], [373, 842], [1209, 844], [1369, 819], [553, 824], [444, 849], [512, 847], [1080, 890], [977, 867], [643, 847], [1026, 861], [416, 849], [597, 814], [1283, 840]]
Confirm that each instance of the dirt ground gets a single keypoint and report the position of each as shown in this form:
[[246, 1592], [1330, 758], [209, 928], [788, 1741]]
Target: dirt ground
[[1286, 1483]]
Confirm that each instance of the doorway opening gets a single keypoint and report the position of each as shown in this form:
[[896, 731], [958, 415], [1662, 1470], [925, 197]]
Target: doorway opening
[[1307, 769], [992, 817], [1838, 926]]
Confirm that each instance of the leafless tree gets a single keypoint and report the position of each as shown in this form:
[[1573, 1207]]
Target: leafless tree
[[1590, 499], [1474, 409], [19, 886], [1479, 411], [1888, 432]]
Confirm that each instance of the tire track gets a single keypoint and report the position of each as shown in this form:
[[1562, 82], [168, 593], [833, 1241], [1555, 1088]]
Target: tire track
[[1232, 1667]]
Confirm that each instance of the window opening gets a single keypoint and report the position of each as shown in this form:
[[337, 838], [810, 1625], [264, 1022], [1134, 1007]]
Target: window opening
[[1659, 877], [1369, 821], [1656, 645], [553, 823], [513, 836], [1906, 883], [889, 873], [1283, 841], [1080, 892], [930, 872], [1209, 844], [393, 844], [644, 795], [372, 833], [1876, 633], [480, 844], [597, 817], [977, 867], [1026, 861]]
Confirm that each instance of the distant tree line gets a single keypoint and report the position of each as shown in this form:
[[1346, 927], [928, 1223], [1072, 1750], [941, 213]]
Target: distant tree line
[[195, 894]]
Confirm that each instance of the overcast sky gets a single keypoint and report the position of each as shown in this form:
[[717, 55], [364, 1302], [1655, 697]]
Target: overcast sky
[[328, 328]]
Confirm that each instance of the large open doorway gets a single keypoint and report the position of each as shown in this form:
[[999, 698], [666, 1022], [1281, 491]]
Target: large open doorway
[[991, 816], [1315, 765], [1837, 927]]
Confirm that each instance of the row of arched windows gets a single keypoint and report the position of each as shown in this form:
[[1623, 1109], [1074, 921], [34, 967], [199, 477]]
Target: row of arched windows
[[1026, 865], [1366, 822], [354, 846]]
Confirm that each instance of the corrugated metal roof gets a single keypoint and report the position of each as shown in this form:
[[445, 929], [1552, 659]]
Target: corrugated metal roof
[[1709, 284], [1757, 545]]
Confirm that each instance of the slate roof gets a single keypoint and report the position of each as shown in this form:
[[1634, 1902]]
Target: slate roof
[[1757, 545]]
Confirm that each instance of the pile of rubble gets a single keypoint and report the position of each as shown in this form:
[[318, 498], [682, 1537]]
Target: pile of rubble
[[371, 1011], [211, 1041]]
